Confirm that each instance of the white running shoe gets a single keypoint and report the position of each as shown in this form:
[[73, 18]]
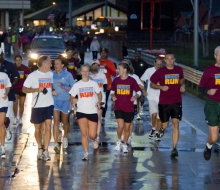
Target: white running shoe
[[65, 142], [118, 145], [20, 121], [125, 148], [95, 144], [15, 122], [8, 134], [138, 117], [40, 154], [46, 155], [3, 154], [86, 156]]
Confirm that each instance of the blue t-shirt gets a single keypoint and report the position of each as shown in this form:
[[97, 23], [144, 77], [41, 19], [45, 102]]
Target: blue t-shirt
[[66, 80], [11, 70]]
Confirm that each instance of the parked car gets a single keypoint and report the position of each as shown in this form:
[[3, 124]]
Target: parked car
[[45, 45]]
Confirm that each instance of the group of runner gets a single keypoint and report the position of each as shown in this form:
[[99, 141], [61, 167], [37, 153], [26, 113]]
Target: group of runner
[[54, 93]]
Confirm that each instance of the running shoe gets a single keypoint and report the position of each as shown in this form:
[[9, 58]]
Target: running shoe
[[8, 134], [118, 145], [15, 122], [161, 132], [138, 117], [46, 155], [151, 134], [40, 154], [20, 122], [129, 140], [125, 148], [86, 156], [174, 153], [65, 142], [207, 153], [95, 144], [3, 155], [57, 149], [98, 139], [157, 136]]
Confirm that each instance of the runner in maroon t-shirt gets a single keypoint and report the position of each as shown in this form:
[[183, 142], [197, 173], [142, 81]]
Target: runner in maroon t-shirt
[[122, 94], [210, 85], [20, 96], [73, 65], [170, 81]]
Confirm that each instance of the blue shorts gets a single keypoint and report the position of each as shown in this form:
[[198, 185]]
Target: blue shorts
[[39, 115], [62, 105], [4, 109]]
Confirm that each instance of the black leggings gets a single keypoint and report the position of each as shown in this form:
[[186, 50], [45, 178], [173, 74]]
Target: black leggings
[[106, 105]]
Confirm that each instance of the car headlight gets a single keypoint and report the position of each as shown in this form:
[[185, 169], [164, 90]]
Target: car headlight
[[33, 55]]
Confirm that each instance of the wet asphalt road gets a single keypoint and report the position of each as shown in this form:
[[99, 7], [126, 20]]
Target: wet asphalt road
[[147, 165]]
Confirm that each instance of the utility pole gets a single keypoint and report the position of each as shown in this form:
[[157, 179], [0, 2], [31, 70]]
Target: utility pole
[[70, 13], [196, 37], [106, 8]]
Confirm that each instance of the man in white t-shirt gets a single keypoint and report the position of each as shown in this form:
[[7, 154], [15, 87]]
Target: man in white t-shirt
[[40, 84], [153, 99]]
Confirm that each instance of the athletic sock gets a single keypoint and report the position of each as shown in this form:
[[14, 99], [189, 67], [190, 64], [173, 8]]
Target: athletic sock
[[209, 145]]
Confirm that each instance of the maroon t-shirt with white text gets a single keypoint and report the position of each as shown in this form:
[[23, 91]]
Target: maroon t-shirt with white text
[[23, 72], [170, 78], [211, 80], [123, 92]]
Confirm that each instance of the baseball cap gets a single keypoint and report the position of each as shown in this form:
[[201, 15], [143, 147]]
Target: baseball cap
[[95, 37], [104, 49], [95, 61], [1, 50]]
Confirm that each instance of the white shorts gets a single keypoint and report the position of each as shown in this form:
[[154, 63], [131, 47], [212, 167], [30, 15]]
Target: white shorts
[[10, 112], [153, 107]]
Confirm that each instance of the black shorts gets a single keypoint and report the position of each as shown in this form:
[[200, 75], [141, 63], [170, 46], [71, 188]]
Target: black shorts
[[127, 116], [4, 109], [39, 115], [170, 110], [91, 117], [20, 93]]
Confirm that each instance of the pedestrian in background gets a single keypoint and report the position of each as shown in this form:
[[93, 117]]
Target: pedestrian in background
[[4, 90], [82, 49], [23, 71], [25, 42], [62, 83], [84, 94], [139, 67], [171, 82], [210, 85], [39, 83], [94, 47]]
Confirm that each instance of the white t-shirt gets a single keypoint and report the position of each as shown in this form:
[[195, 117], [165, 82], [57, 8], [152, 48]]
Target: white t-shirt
[[86, 96], [4, 83], [38, 79], [134, 76], [100, 78], [153, 94]]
